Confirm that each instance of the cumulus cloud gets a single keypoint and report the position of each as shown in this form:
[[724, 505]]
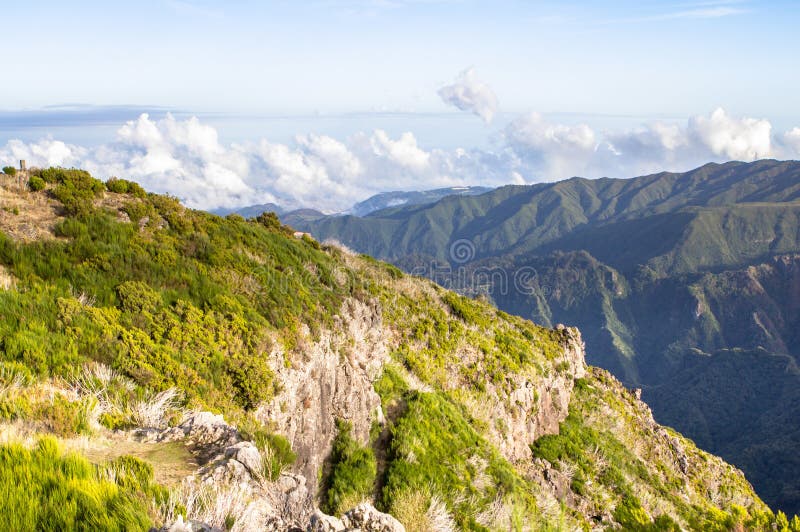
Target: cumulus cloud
[[553, 151], [743, 139], [44, 152], [186, 158], [791, 140], [470, 94]]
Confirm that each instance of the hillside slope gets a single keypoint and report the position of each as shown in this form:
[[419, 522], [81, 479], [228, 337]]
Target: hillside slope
[[341, 380], [656, 271]]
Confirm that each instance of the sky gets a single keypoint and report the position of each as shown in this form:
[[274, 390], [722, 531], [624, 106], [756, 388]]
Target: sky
[[322, 103]]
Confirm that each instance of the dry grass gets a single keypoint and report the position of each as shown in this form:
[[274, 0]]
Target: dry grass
[[155, 411], [7, 281], [333, 243], [419, 511], [410, 508], [26, 215], [213, 504], [497, 516], [172, 462], [439, 518]]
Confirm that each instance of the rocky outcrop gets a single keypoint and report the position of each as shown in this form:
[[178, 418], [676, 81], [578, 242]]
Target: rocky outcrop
[[362, 518], [366, 518], [207, 436], [327, 380], [536, 405]]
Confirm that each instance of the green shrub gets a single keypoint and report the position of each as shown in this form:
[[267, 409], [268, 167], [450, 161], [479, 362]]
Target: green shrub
[[75, 189], [137, 297], [41, 489], [352, 474], [136, 210], [119, 186], [269, 220], [63, 418], [275, 449], [252, 378], [123, 186], [434, 448], [9, 170], [135, 476], [36, 183]]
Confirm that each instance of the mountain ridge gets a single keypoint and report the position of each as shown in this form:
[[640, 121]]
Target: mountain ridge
[[651, 269], [129, 318]]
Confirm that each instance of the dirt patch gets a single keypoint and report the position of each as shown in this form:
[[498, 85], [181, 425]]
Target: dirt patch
[[27, 215], [172, 462]]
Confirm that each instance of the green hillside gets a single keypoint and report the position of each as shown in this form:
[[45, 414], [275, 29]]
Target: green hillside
[[111, 296], [654, 271]]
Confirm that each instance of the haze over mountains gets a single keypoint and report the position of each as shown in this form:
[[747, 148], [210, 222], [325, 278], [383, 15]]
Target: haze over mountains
[[378, 202], [684, 284]]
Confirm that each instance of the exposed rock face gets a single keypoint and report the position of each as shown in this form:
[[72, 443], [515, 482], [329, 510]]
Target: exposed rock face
[[362, 518], [331, 379], [366, 518], [207, 435], [186, 526], [246, 454], [536, 406]]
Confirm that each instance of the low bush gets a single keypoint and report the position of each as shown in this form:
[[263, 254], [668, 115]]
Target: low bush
[[75, 189], [276, 451], [123, 186], [435, 449], [352, 474], [63, 418], [36, 183], [41, 489]]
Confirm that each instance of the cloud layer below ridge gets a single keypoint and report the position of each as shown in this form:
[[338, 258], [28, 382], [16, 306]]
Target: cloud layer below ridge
[[187, 159]]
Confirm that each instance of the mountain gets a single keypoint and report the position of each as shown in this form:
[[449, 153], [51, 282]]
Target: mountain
[[250, 211], [300, 216], [386, 200], [686, 285], [161, 365]]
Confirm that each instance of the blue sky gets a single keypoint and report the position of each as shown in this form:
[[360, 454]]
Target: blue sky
[[322, 103], [670, 58]]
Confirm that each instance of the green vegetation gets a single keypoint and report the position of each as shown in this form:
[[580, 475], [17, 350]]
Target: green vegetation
[[352, 472], [36, 183], [172, 307], [9, 170], [435, 449], [591, 442], [180, 299], [276, 450], [658, 272], [41, 489], [123, 186]]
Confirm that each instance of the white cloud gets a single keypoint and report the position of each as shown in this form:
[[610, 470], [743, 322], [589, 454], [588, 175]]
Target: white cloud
[[556, 151], [470, 94], [185, 158], [44, 152], [743, 139], [404, 152], [792, 141], [701, 13], [551, 149]]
